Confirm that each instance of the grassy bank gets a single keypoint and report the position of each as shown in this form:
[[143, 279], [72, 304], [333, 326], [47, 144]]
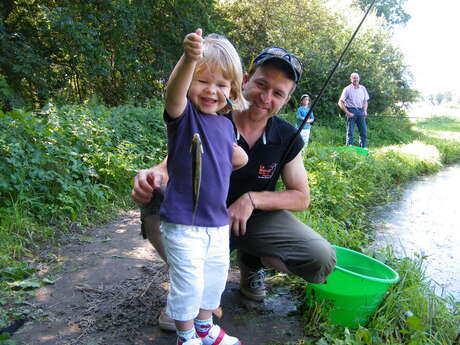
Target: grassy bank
[[70, 167], [345, 186], [63, 170]]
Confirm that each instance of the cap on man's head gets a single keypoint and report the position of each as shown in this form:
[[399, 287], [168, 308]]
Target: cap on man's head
[[280, 54], [303, 96]]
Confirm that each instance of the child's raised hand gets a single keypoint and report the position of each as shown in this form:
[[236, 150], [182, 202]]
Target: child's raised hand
[[193, 45]]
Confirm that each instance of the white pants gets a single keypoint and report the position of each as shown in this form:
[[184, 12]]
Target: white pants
[[198, 259], [305, 134]]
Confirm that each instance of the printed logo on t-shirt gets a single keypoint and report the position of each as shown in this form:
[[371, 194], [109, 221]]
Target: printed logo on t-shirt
[[266, 172]]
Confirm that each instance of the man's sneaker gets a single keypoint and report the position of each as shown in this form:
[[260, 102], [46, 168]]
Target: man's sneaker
[[165, 322], [252, 285], [196, 341], [252, 282], [217, 335]]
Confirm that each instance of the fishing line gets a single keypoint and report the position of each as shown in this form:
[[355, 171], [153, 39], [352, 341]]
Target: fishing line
[[291, 143], [406, 117]]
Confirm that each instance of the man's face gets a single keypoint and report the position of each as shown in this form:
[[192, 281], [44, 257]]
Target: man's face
[[354, 79], [267, 90]]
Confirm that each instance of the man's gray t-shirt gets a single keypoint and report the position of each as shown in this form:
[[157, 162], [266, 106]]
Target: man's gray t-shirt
[[354, 97]]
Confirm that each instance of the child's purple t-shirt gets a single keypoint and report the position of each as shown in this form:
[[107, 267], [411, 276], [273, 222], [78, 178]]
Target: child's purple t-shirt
[[217, 136]]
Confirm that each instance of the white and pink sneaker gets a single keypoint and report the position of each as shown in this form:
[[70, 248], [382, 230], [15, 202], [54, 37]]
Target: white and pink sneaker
[[217, 336], [196, 341]]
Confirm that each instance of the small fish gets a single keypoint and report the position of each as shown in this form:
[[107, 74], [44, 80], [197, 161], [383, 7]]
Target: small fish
[[197, 150]]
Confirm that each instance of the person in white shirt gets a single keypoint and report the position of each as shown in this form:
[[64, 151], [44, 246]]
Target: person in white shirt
[[353, 102]]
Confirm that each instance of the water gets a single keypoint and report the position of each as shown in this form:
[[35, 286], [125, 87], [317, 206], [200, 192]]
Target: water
[[426, 221]]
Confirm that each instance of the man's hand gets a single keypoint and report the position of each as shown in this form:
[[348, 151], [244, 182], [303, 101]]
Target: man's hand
[[349, 114], [144, 183], [239, 213], [193, 45]]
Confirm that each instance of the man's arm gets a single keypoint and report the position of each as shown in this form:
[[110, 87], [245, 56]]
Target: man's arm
[[147, 180], [342, 104], [298, 115], [296, 197], [365, 107]]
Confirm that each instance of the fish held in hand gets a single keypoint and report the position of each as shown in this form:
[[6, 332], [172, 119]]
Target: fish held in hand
[[197, 151]]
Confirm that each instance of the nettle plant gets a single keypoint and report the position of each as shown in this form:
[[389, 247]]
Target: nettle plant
[[64, 163]]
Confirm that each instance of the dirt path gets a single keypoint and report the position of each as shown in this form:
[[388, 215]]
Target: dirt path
[[111, 286]]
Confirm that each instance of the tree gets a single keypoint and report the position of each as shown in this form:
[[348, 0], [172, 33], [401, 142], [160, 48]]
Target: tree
[[317, 37], [123, 50], [118, 50], [391, 10]]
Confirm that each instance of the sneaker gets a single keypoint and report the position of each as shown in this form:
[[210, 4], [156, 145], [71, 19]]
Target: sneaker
[[217, 335], [165, 322], [252, 283], [196, 341]]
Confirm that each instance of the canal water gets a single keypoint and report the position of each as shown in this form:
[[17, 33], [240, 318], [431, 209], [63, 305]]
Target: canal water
[[426, 221]]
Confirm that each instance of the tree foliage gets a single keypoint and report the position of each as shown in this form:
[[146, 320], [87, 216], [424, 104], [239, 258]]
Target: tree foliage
[[122, 51], [317, 36], [118, 50], [391, 10]]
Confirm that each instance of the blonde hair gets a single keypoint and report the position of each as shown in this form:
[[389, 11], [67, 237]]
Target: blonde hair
[[219, 53]]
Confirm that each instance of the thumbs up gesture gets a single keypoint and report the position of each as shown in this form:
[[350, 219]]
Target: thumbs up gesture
[[193, 45]]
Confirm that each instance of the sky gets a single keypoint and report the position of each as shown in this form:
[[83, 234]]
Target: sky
[[430, 43]]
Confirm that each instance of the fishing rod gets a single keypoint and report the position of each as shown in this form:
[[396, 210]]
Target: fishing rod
[[291, 143], [391, 116]]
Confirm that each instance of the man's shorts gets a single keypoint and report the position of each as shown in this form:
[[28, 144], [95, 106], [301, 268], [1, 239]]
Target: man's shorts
[[280, 234], [277, 234], [152, 208]]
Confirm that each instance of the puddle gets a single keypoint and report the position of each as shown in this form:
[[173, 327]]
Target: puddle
[[426, 221]]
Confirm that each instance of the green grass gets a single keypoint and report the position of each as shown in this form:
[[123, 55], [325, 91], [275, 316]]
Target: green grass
[[344, 188], [70, 167], [62, 170], [440, 123]]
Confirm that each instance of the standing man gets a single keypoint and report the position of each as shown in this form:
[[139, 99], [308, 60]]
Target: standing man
[[353, 102], [264, 231]]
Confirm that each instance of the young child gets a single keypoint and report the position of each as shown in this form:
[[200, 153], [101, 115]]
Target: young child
[[302, 112], [197, 245]]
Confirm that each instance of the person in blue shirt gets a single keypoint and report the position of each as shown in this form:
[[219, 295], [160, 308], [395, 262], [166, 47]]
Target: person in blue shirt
[[302, 112]]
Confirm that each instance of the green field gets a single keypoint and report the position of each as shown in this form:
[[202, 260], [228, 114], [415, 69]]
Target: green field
[[74, 165]]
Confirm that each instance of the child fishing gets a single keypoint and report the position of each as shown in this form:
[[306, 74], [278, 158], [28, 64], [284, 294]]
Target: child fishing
[[302, 112], [194, 219]]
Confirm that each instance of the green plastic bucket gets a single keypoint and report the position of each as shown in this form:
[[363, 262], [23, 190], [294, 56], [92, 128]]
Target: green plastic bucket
[[350, 148], [354, 289]]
